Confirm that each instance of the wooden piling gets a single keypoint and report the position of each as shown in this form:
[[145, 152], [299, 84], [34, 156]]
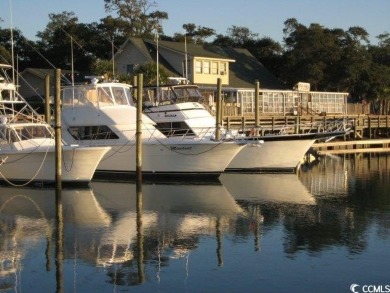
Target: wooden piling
[[135, 83], [59, 240], [57, 129], [218, 110], [140, 82], [257, 90], [47, 100], [140, 234]]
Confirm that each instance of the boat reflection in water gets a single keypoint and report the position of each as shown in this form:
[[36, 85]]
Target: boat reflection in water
[[252, 229], [29, 221], [174, 215], [257, 188], [111, 226]]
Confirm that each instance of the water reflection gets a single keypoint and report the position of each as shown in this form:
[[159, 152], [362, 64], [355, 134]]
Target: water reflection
[[260, 188], [352, 198], [111, 225], [174, 217], [114, 235]]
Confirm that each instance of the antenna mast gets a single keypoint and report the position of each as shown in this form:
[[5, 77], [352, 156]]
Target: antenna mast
[[12, 44], [185, 59], [71, 46]]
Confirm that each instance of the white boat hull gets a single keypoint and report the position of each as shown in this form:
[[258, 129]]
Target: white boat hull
[[169, 158], [277, 155], [38, 166]]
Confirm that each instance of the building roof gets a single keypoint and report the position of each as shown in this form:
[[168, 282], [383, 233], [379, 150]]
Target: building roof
[[150, 53], [43, 72], [244, 70]]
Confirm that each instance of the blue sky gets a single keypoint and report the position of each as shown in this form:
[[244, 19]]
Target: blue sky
[[264, 17]]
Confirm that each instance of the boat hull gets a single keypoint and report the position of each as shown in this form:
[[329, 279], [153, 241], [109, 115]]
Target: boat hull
[[277, 156], [78, 165], [170, 159]]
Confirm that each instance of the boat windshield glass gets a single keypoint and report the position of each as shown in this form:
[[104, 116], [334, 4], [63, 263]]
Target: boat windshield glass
[[188, 94], [100, 96], [172, 95], [122, 95]]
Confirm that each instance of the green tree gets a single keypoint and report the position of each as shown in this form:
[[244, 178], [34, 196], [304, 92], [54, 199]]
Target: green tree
[[241, 36], [149, 71], [194, 34], [378, 77], [268, 52], [140, 20], [22, 48], [60, 43], [64, 41], [310, 53]]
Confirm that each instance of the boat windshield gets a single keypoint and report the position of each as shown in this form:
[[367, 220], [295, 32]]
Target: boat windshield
[[98, 96], [173, 94], [187, 94]]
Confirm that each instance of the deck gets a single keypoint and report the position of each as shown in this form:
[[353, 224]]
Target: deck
[[362, 126]]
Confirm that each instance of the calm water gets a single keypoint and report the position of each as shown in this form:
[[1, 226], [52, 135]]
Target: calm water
[[319, 231]]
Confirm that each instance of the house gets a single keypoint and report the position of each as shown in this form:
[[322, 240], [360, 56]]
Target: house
[[32, 81], [199, 64], [202, 65]]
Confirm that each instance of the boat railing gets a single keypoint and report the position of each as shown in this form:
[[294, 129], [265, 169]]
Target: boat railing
[[19, 111], [187, 133], [337, 125]]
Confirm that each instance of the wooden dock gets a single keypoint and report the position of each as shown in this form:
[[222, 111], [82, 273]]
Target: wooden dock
[[350, 147], [368, 133], [362, 126]]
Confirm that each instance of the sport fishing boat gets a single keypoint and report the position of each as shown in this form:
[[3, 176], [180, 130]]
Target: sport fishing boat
[[104, 114], [27, 144], [179, 109]]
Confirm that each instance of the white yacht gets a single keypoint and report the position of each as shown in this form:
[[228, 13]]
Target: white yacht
[[27, 144], [179, 109], [103, 114]]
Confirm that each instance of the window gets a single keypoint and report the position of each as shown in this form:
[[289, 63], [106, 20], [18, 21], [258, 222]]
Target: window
[[222, 68], [214, 67], [206, 67], [92, 132], [198, 67], [175, 129]]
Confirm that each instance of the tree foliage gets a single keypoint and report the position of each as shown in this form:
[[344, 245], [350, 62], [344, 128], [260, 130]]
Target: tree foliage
[[266, 50], [23, 51], [138, 18], [194, 34], [330, 59], [149, 71]]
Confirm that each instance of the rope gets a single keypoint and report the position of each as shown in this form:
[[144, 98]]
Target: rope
[[33, 178], [72, 161], [119, 151], [29, 153]]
